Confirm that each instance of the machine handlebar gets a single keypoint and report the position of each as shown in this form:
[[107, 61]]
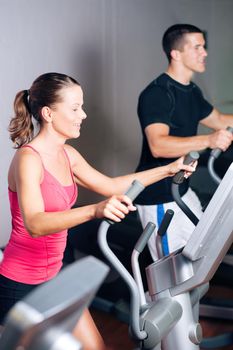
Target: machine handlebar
[[136, 330], [189, 158], [177, 180], [133, 191], [165, 222], [215, 153], [148, 323], [144, 238]]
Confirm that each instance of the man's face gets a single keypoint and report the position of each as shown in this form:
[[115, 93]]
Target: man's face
[[193, 55]]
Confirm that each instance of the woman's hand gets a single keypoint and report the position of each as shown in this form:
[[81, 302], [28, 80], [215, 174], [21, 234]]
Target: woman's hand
[[115, 208], [178, 165]]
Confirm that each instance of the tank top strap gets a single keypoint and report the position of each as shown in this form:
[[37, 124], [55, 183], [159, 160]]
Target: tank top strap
[[66, 155], [68, 159], [29, 146]]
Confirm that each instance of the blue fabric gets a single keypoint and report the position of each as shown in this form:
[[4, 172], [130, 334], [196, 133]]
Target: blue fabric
[[160, 215]]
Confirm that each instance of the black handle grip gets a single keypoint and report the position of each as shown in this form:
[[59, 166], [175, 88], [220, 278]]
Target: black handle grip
[[132, 192], [145, 236], [215, 153], [189, 158], [165, 222]]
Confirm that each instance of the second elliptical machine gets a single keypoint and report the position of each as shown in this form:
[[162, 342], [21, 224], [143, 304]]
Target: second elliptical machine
[[176, 282]]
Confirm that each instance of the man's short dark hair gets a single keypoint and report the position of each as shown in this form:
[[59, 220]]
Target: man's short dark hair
[[174, 35]]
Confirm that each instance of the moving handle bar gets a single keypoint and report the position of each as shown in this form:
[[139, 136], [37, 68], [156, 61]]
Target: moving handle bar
[[215, 153], [137, 299], [139, 334], [177, 180], [162, 230]]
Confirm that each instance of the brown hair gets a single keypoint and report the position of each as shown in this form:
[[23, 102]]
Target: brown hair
[[45, 91]]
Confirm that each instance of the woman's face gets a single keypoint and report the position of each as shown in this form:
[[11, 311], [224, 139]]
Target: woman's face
[[67, 116]]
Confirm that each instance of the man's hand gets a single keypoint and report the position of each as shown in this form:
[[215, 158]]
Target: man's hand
[[220, 139]]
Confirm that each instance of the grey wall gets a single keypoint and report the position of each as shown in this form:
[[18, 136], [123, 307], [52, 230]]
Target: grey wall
[[113, 48]]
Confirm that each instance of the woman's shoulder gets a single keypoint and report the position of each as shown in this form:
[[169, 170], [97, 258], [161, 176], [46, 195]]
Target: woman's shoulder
[[25, 164], [71, 151], [27, 161], [27, 153], [73, 154]]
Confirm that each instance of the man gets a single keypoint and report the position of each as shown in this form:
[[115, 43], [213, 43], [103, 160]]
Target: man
[[170, 109]]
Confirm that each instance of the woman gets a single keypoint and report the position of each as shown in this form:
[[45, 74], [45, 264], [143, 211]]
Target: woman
[[43, 178]]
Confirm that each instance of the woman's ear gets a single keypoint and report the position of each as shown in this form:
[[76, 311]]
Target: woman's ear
[[46, 114]]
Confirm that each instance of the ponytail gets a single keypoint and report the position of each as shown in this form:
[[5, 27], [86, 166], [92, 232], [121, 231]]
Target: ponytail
[[21, 127]]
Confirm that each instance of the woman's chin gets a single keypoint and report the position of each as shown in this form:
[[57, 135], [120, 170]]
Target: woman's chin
[[76, 135]]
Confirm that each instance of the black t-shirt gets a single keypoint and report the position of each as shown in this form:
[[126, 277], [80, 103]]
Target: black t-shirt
[[179, 106]]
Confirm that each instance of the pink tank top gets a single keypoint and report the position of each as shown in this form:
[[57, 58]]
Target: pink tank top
[[36, 260]]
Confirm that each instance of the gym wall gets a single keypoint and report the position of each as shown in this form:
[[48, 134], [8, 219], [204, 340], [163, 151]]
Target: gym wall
[[113, 48]]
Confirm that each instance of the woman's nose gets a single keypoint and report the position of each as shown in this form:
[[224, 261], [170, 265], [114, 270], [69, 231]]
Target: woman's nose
[[83, 114]]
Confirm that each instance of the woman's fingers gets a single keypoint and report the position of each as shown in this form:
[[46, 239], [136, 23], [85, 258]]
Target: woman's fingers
[[117, 207]]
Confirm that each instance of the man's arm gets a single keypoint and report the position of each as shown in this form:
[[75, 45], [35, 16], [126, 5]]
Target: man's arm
[[217, 120], [163, 145]]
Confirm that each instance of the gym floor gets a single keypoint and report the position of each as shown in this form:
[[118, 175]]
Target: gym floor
[[115, 332]]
